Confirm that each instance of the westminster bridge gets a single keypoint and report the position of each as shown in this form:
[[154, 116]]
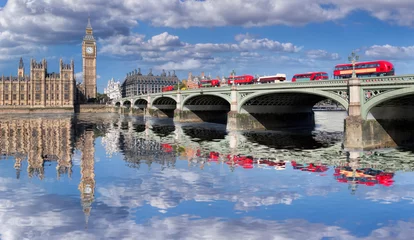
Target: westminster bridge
[[376, 107]]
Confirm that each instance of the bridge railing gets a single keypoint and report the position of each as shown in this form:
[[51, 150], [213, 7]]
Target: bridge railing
[[385, 79]]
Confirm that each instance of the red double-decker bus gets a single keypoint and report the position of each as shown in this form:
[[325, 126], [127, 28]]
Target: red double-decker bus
[[209, 83], [244, 79], [365, 69], [311, 76], [168, 88]]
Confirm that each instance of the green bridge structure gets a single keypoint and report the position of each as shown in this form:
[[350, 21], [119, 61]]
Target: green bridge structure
[[380, 109]]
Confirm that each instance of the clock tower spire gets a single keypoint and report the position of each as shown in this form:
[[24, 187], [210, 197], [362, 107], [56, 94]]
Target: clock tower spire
[[89, 63]]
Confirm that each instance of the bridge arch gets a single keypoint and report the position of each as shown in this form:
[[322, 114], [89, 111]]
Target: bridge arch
[[162, 97], [140, 102], [314, 92], [118, 104], [206, 98], [165, 100], [385, 97], [126, 103]]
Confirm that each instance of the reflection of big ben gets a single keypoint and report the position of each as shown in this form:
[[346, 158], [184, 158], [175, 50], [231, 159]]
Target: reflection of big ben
[[87, 183], [89, 63]]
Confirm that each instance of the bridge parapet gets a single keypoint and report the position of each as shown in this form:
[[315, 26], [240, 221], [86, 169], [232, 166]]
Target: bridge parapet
[[387, 80]]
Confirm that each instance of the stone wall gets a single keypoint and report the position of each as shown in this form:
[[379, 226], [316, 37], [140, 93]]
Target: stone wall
[[25, 109], [371, 134], [95, 108]]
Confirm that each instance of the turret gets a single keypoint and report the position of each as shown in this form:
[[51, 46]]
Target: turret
[[20, 71]]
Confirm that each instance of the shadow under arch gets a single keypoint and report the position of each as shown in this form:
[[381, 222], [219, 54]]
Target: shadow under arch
[[127, 103], [391, 115], [140, 105], [321, 94], [164, 106], [208, 107], [286, 108]]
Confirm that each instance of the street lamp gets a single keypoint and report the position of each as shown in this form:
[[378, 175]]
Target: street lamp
[[353, 59], [232, 76]]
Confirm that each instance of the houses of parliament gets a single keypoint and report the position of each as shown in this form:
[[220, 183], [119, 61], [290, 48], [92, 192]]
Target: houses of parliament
[[39, 89]]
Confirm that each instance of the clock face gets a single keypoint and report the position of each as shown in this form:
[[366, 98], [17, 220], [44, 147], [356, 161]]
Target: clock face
[[89, 50]]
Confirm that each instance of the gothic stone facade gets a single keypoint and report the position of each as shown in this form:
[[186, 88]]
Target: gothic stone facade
[[39, 89]]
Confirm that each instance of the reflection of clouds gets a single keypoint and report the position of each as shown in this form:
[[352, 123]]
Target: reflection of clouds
[[395, 194], [167, 189], [30, 213], [111, 141], [76, 158], [321, 191]]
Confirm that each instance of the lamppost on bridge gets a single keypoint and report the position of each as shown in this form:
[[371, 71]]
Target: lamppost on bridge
[[233, 73], [353, 59]]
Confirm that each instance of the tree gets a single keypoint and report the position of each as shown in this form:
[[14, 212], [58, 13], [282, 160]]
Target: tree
[[101, 98]]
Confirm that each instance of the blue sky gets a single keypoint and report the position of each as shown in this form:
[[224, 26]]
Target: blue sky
[[268, 37]]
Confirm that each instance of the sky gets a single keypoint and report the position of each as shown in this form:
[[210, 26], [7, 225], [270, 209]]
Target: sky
[[213, 36]]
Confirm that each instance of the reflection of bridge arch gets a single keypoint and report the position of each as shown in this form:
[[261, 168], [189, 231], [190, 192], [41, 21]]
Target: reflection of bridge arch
[[290, 97], [400, 97]]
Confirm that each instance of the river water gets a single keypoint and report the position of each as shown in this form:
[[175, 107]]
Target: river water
[[107, 176]]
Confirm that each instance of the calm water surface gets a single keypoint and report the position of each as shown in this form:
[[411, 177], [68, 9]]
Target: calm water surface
[[117, 177]]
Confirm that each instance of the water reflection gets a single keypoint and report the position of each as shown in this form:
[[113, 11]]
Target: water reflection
[[38, 141], [140, 175]]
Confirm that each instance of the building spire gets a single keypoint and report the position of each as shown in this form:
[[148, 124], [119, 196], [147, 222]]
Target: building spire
[[21, 65], [89, 26], [89, 31]]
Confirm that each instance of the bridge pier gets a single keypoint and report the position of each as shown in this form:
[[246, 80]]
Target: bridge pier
[[269, 121], [137, 111], [187, 116], [384, 127]]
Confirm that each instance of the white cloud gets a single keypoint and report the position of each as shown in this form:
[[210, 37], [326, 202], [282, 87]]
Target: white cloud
[[188, 64], [165, 39], [390, 52], [241, 37], [322, 54], [12, 47], [79, 76], [249, 54]]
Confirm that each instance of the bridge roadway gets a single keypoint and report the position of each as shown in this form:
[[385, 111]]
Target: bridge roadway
[[375, 107]]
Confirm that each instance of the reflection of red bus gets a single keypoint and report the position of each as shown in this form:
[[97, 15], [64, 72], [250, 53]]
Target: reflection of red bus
[[311, 76], [240, 160], [365, 69], [209, 83], [166, 147], [244, 79], [278, 165], [309, 167], [365, 176], [168, 88]]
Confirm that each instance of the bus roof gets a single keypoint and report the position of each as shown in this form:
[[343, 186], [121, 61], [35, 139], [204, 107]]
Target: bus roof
[[357, 63], [307, 73]]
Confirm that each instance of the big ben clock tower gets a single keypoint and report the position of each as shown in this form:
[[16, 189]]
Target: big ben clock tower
[[89, 63]]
